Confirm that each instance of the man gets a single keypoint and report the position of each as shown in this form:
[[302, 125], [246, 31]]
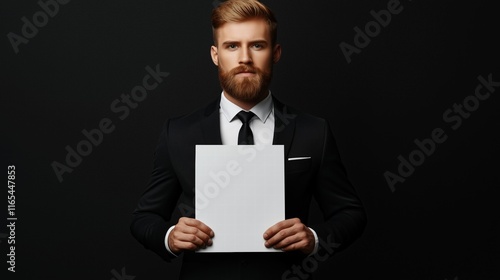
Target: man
[[244, 51]]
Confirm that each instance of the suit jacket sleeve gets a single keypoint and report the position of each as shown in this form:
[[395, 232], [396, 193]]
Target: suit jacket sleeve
[[150, 219], [343, 212]]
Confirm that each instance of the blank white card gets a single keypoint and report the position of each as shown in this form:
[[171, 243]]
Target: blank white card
[[239, 193]]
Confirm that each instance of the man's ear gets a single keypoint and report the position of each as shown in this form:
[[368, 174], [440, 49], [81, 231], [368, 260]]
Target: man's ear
[[215, 55], [276, 53]]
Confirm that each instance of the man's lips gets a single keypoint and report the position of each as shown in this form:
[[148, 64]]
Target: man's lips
[[246, 73]]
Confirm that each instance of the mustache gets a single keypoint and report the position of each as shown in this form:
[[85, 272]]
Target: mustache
[[243, 69]]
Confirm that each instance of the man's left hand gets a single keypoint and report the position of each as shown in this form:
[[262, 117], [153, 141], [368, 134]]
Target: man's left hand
[[290, 235]]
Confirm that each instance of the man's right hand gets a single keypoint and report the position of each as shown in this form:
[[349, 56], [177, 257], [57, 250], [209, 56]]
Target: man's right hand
[[189, 234]]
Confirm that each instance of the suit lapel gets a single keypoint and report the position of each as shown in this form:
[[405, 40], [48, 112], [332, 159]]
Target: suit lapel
[[284, 125], [210, 124]]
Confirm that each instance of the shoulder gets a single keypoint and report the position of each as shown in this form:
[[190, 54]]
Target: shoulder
[[194, 118], [286, 114]]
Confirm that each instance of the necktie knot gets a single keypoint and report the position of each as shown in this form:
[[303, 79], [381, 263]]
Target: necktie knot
[[245, 117]]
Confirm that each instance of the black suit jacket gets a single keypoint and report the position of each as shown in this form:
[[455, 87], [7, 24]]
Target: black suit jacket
[[322, 176]]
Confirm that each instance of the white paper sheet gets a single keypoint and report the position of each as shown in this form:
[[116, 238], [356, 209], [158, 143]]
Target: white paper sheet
[[240, 193]]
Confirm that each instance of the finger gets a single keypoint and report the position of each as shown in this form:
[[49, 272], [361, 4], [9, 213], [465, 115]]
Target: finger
[[269, 233], [181, 237], [301, 245], [193, 239], [303, 240], [289, 241], [282, 239], [185, 246], [188, 230], [199, 225], [275, 239], [284, 233], [198, 233]]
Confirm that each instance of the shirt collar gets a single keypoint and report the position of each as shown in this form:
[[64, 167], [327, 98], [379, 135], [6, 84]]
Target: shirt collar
[[262, 109]]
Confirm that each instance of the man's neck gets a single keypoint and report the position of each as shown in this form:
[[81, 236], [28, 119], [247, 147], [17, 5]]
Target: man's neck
[[245, 105]]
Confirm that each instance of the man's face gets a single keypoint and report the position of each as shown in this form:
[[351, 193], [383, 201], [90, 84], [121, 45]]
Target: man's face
[[244, 55]]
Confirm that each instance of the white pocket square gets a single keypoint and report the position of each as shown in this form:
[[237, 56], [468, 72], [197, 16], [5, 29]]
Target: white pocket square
[[298, 158]]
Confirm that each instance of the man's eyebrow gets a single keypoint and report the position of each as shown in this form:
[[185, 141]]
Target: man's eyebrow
[[251, 42], [230, 42], [259, 41]]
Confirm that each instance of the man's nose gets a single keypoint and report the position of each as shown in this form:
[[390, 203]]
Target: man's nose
[[245, 56]]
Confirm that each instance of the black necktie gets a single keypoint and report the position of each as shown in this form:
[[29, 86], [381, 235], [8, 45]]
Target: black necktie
[[245, 137]]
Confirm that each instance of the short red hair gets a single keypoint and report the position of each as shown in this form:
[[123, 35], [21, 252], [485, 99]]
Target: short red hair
[[242, 10]]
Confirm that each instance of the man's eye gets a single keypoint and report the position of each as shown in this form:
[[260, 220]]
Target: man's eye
[[231, 46], [258, 46]]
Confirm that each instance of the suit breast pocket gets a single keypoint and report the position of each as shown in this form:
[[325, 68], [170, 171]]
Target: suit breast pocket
[[298, 164]]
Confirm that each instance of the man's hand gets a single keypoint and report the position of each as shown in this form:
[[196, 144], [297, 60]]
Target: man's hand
[[189, 234], [290, 235]]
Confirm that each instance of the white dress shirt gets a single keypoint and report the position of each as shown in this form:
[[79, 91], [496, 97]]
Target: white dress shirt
[[262, 124]]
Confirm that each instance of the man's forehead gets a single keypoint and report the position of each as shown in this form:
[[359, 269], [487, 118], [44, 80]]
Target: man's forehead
[[249, 30]]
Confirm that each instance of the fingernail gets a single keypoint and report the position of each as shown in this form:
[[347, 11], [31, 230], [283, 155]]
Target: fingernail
[[266, 244], [265, 235], [210, 242], [211, 234]]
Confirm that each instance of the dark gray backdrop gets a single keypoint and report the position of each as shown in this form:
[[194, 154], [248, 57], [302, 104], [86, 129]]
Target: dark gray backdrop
[[442, 222]]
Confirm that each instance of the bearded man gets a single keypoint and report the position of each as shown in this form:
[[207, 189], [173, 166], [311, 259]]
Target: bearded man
[[244, 50]]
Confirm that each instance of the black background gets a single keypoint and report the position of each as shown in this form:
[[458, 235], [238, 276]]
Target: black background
[[441, 223]]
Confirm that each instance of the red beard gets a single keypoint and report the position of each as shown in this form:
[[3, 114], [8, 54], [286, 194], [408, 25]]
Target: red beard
[[247, 89]]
